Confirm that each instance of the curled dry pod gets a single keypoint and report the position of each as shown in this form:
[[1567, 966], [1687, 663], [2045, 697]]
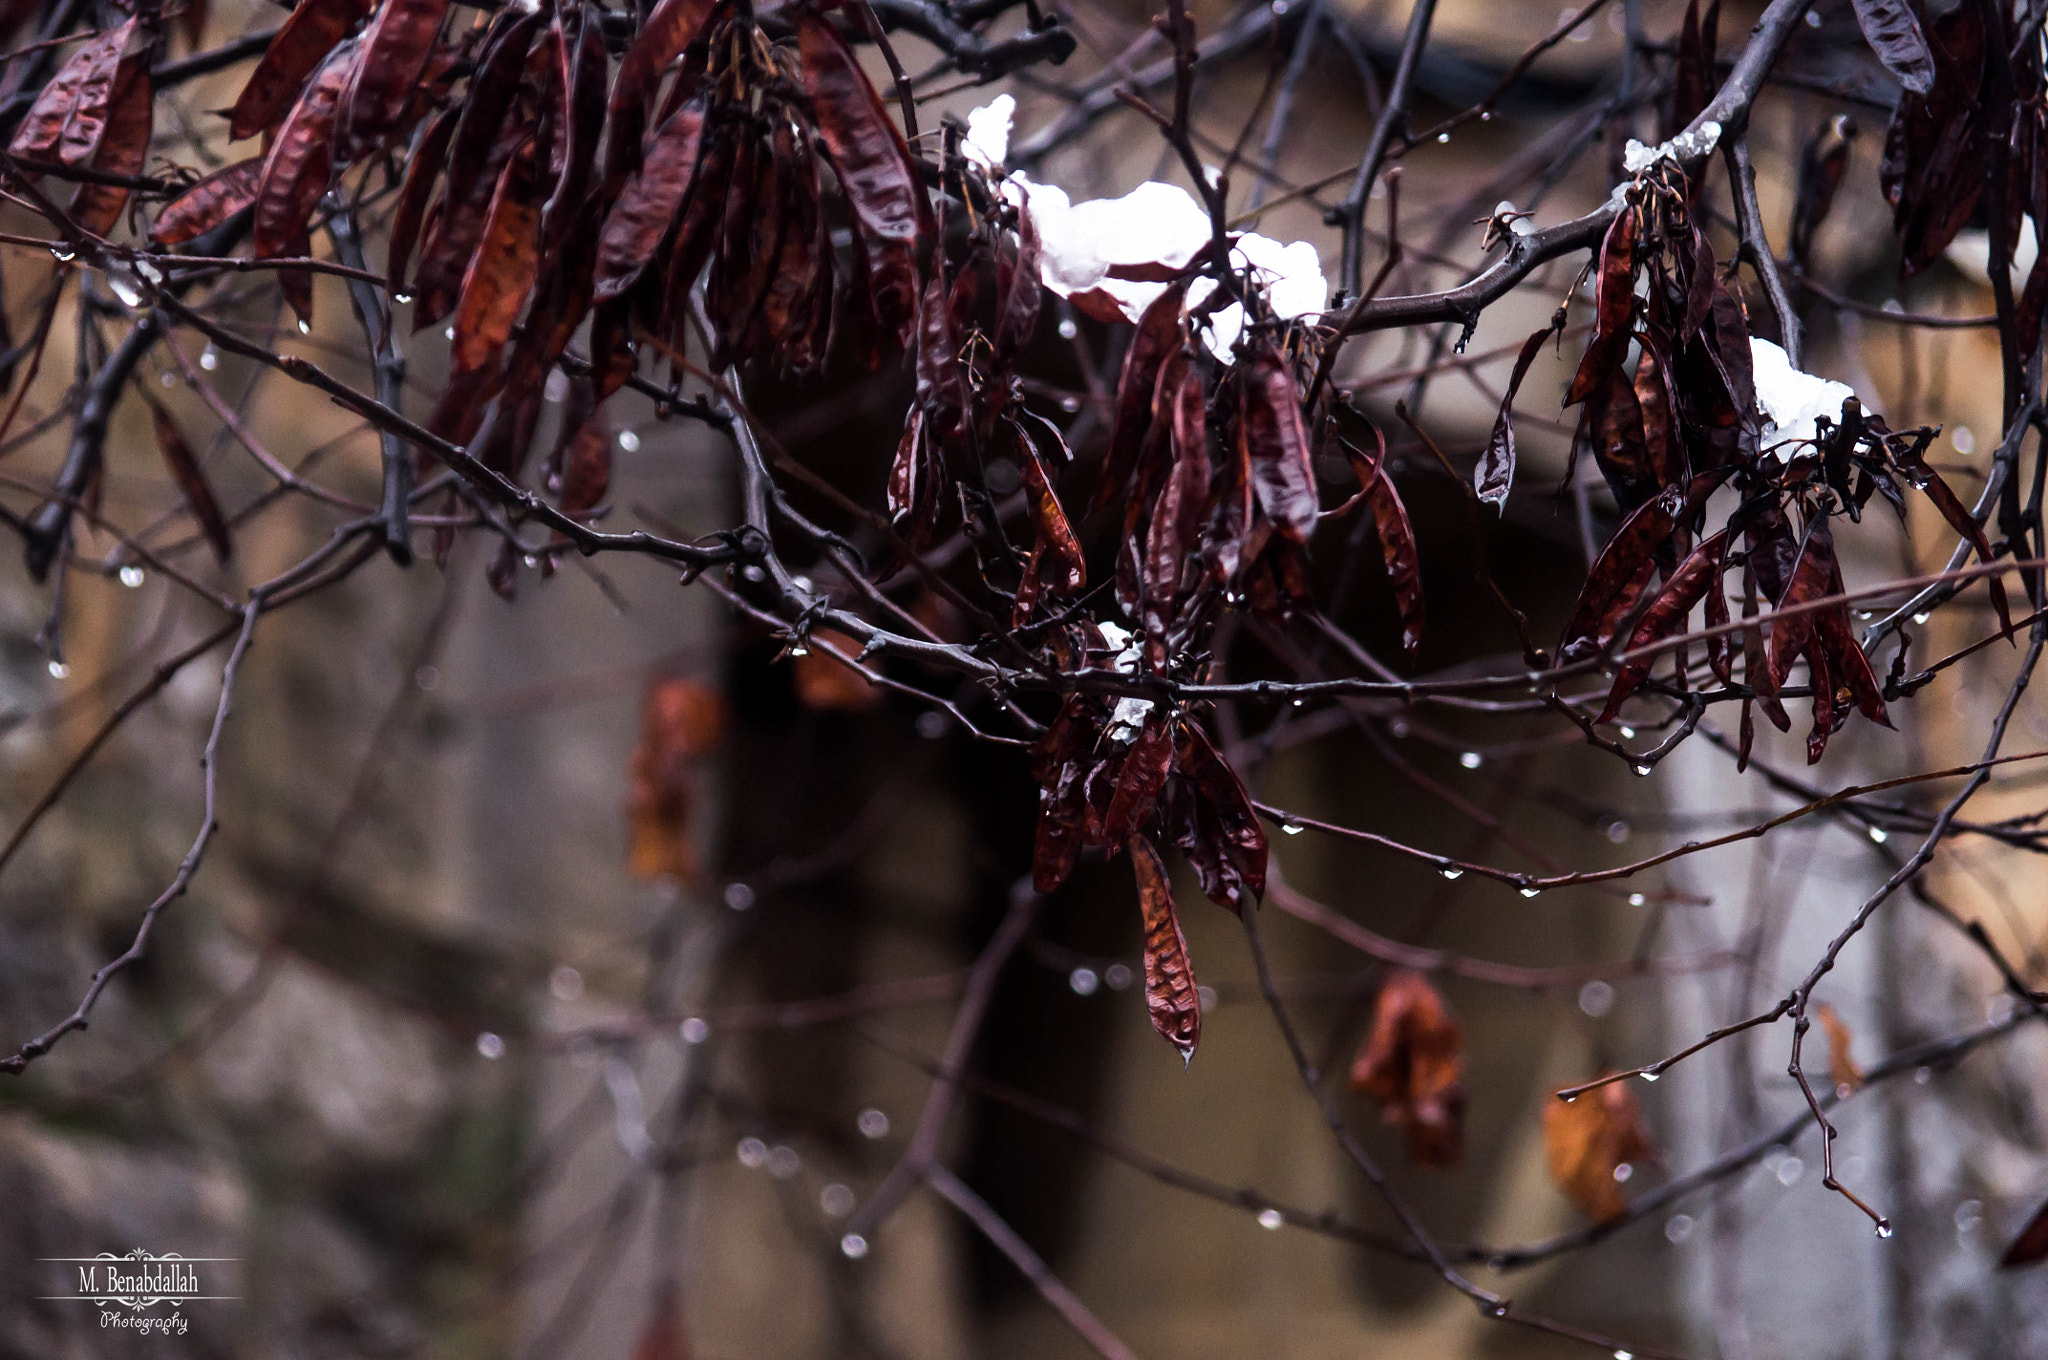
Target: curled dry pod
[[672, 26], [1217, 827], [914, 483], [1397, 538], [457, 230], [395, 48], [941, 377], [1494, 477], [1140, 779], [501, 274], [1157, 337], [1666, 616], [1170, 992], [1059, 764], [587, 466], [208, 203], [698, 231], [1623, 569], [1846, 659], [583, 105], [637, 222], [124, 149], [1893, 32], [1812, 576], [296, 173], [781, 324], [487, 108], [184, 469], [69, 116], [1281, 472], [1613, 307], [1018, 294], [411, 210], [311, 32], [1175, 531], [1064, 570], [881, 183]]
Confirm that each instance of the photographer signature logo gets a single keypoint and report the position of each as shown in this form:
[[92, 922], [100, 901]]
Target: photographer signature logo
[[128, 1289]]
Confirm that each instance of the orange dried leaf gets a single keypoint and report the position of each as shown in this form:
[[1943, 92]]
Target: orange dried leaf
[[824, 683], [1587, 1140], [680, 722], [1842, 1070], [1413, 1064]]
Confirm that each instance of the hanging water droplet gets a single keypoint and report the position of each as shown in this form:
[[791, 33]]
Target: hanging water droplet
[[1880, 835], [1624, 1355], [1651, 1076], [401, 297], [58, 670], [1486, 115], [853, 1246], [1068, 330], [1884, 1227], [531, 561], [209, 358], [1628, 733], [1471, 760], [1443, 137], [131, 576], [1070, 404], [1920, 617], [1290, 828], [305, 327], [1637, 899], [1568, 1099], [799, 650], [1271, 1219], [1641, 768], [63, 254], [1530, 890], [1451, 871], [629, 441]]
